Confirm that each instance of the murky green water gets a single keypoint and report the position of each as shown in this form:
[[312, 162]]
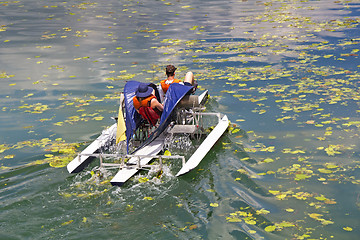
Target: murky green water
[[285, 72]]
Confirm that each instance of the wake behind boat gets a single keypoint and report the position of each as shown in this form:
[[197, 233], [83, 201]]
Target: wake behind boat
[[136, 143]]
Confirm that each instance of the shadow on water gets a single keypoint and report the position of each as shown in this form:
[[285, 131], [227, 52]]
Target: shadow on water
[[17, 180], [184, 200], [222, 174]]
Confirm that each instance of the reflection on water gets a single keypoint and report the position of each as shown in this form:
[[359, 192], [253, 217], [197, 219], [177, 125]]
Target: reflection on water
[[285, 72]]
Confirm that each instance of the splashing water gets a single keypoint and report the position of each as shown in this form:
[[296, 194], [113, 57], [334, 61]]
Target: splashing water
[[179, 143]]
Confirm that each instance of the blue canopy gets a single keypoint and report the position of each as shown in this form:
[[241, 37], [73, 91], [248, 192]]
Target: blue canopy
[[173, 96], [132, 117]]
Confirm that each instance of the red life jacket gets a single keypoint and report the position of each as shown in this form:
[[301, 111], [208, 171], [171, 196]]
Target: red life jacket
[[145, 109], [165, 85]]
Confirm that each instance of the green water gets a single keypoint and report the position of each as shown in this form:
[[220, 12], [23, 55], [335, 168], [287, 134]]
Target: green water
[[285, 72]]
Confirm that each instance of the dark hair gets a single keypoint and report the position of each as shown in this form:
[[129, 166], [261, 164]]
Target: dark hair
[[170, 70]]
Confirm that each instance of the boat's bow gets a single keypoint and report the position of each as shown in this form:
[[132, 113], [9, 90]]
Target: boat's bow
[[205, 146]]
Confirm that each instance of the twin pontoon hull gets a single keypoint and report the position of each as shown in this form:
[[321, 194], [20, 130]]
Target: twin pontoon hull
[[151, 150]]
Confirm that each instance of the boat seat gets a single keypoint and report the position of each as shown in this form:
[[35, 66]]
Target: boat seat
[[183, 129]]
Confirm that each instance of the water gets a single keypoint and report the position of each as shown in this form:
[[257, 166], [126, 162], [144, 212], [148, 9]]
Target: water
[[285, 72]]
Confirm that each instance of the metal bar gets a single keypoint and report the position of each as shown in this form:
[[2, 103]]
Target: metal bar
[[127, 155], [139, 159], [112, 164], [116, 165], [208, 114], [122, 162], [143, 167], [183, 160], [161, 164]]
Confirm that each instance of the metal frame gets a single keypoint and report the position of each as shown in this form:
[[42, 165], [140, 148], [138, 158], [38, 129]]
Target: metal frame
[[196, 120], [136, 165]]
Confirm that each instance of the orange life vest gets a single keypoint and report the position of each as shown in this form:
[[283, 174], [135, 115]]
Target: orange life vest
[[143, 103], [165, 84], [146, 111]]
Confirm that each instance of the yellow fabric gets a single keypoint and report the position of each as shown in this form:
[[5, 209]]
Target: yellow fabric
[[121, 128]]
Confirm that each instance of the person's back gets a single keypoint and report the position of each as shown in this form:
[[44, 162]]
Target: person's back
[[146, 104], [170, 72]]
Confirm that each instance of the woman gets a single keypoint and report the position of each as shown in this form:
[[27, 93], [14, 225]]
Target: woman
[[146, 103]]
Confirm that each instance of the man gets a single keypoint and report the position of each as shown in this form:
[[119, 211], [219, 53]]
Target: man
[[170, 73], [146, 104]]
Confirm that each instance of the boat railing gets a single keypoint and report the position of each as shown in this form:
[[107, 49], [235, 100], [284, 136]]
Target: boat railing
[[196, 114], [135, 164], [208, 114]]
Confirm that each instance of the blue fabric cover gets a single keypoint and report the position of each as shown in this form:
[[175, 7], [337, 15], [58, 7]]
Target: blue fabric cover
[[132, 117], [173, 96]]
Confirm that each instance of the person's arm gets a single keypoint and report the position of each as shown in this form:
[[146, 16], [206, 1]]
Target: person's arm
[[155, 104]]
